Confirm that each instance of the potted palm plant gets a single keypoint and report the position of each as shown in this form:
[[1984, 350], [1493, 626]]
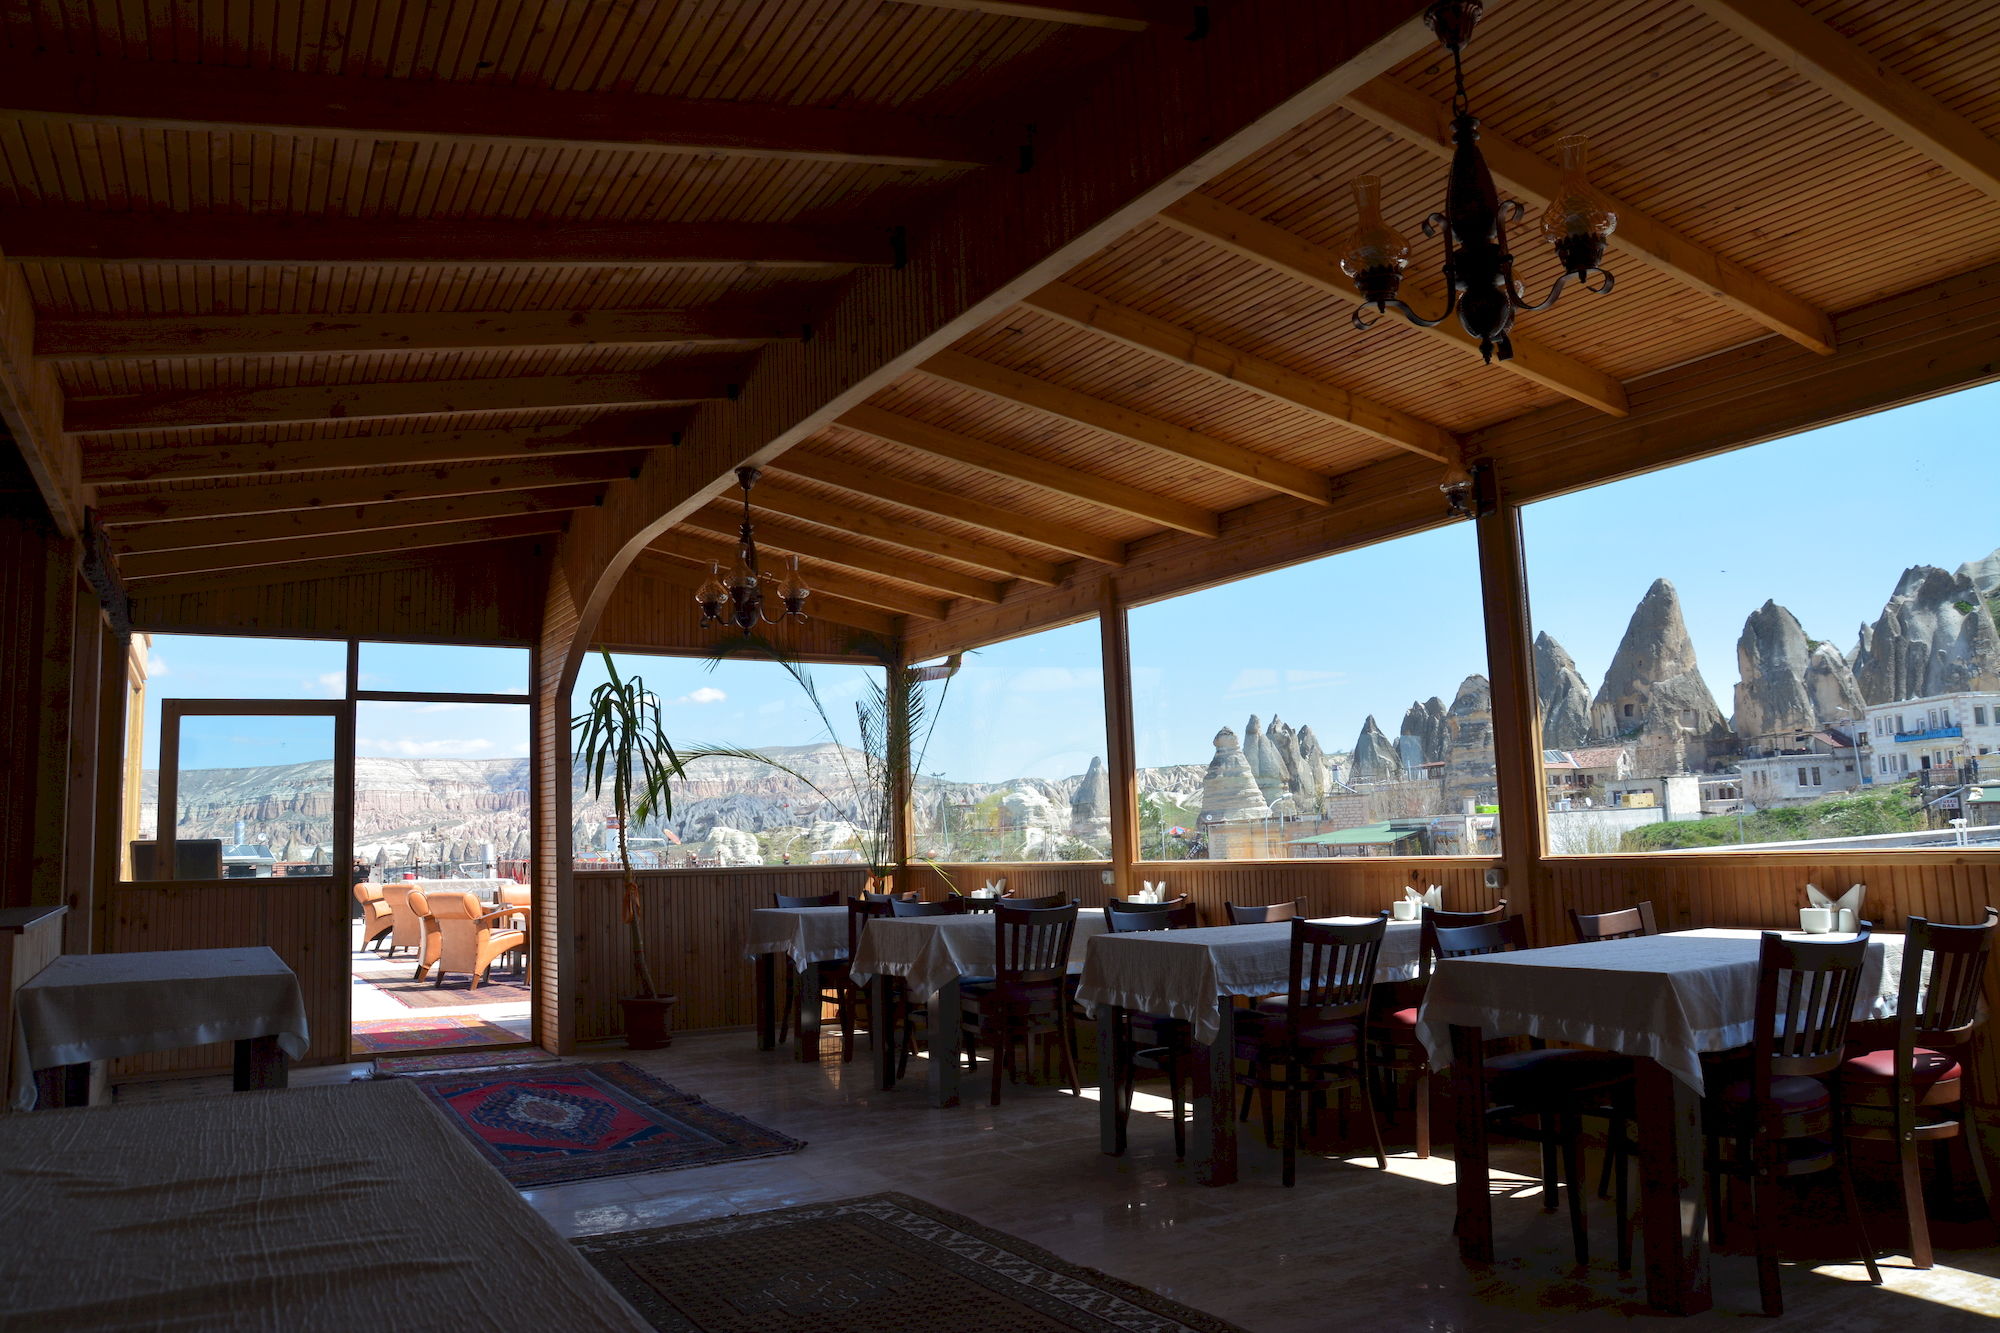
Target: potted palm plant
[[622, 742]]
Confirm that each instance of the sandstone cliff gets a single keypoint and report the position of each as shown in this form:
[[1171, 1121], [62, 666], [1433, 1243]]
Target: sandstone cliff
[[1936, 635], [1564, 697], [1653, 690]]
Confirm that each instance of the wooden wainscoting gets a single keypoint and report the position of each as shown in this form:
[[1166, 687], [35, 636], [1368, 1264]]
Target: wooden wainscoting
[[697, 927]]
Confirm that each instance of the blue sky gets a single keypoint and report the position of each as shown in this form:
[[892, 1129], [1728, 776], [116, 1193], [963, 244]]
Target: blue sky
[[1823, 522]]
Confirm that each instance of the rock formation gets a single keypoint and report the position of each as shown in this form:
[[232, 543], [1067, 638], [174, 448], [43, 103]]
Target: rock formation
[[1266, 766], [1317, 773], [1983, 574], [1375, 759], [1425, 723], [1565, 698], [1469, 769], [1771, 660], [1090, 808], [1229, 790], [1831, 687], [1653, 690], [1936, 635], [1286, 742]]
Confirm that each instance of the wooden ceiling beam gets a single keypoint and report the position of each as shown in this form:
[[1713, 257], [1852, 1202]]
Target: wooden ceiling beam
[[1219, 361], [1259, 241], [1010, 465], [1230, 460], [720, 520], [774, 498], [63, 338], [1112, 15], [678, 573], [1407, 113], [1834, 63], [147, 538], [302, 550], [180, 409], [862, 480], [80, 236], [106, 462], [171, 506], [150, 94], [820, 578]]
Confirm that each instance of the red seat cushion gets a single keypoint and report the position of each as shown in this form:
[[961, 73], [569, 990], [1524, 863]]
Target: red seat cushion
[[1789, 1096], [1927, 1067], [1400, 1024]]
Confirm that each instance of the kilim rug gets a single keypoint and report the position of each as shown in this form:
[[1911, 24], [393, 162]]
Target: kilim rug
[[391, 977], [374, 1036], [870, 1265], [584, 1122], [395, 1066]]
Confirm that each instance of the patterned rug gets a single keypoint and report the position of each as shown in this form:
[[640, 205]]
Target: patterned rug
[[391, 977], [374, 1036], [886, 1261], [396, 1066], [585, 1122]]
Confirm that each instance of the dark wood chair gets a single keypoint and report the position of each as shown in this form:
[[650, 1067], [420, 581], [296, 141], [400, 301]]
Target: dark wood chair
[[1623, 924], [1123, 918], [1137, 905], [1152, 1041], [854, 996], [1772, 1110], [1046, 900], [791, 1004], [1258, 914], [1453, 920], [783, 900], [1393, 1026], [967, 903], [912, 907], [1911, 1091], [1029, 995], [1317, 1044]]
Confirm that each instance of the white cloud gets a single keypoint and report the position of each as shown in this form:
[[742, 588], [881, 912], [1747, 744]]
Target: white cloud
[[333, 683], [156, 665], [707, 694], [409, 749]]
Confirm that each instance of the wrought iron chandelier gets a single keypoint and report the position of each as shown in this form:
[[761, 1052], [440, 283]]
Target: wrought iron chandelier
[[1478, 268], [739, 600]]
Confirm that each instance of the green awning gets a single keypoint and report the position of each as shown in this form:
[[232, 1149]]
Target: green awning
[[1364, 835]]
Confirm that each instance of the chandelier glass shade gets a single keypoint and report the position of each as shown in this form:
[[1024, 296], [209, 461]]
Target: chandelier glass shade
[[737, 598]]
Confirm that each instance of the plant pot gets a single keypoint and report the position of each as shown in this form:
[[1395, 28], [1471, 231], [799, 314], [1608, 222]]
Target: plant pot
[[649, 1023]]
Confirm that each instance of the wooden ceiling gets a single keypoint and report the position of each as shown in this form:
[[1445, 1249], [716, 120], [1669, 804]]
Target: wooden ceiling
[[288, 285]]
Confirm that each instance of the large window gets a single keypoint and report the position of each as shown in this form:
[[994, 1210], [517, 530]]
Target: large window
[[1011, 763], [1701, 677], [1335, 708]]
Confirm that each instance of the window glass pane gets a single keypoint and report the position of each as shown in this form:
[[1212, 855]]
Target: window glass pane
[[255, 800], [1703, 683], [1013, 767], [816, 800], [444, 668], [1336, 708], [441, 790]]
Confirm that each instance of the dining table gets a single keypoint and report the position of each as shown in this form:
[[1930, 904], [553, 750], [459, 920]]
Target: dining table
[[1664, 1000], [805, 937], [932, 955], [1195, 975]]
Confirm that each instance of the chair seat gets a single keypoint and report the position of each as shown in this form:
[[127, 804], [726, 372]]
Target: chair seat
[[1396, 1024], [1552, 1076], [1926, 1067], [1792, 1095], [1261, 1033], [1014, 995]]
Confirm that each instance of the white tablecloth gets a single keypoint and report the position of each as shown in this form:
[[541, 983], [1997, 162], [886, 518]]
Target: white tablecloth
[[931, 952], [803, 934], [1669, 997], [97, 1006], [1181, 973]]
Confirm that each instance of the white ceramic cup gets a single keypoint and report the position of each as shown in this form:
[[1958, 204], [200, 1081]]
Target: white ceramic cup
[[1816, 920], [1404, 910]]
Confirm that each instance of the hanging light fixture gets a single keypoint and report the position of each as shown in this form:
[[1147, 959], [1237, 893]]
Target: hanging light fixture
[[1478, 269], [738, 599]]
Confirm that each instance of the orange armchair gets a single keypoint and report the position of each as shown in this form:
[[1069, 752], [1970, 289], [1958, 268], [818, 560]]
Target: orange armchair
[[409, 931], [377, 918], [469, 941], [429, 939]]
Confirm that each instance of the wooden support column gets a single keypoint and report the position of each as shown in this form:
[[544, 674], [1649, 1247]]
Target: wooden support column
[[554, 1021], [114, 694], [1517, 723], [81, 805], [901, 844], [38, 576], [1117, 655]]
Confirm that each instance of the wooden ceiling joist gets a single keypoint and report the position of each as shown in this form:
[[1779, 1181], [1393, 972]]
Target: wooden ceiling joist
[[999, 461], [1409, 114], [1219, 361], [81, 236], [106, 462], [61, 338], [173, 506], [161, 95], [774, 498], [1254, 239], [820, 578], [1113, 15], [297, 550], [154, 537], [688, 575], [176, 409], [807, 543], [1231, 460], [810, 463], [1789, 34]]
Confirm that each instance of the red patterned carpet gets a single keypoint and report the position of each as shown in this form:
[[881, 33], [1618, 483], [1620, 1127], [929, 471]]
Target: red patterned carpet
[[376, 1036]]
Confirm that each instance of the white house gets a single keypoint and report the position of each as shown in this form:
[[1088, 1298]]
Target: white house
[[1798, 766], [1938, 731]]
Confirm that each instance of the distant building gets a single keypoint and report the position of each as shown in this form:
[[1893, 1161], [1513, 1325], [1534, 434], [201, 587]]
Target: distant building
[[1937, 731], [1584, 778], [1787, 768]]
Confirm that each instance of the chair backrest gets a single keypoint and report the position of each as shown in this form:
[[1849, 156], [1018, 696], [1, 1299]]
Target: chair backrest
[[873, 897], [1805, 997], [1046, 900], [859, 912], [1946, 965], [1032, 943], [419, 902], [805, 900], [1332, 969], [1452, 920], [1119, 919], [910, 907], [1503, 936], [1623, 924], [365, 893], [519, 895], [1257, 914], [1134, 905]]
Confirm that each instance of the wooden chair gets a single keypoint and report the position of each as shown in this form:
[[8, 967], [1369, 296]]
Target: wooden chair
[[377, 918], [1152, 1041], [791, 1002], [1258, 914], [1317, 1044], [1136, 905], [1778, 1112], [1123, 918], [1028, 996], [1453, 920], [1037, 904], [967, 903], [1912, 1090], [1623, 924], [409, 929], [1393, 1025], [469, 940], [428, 940], [786, 900], [912, 907]]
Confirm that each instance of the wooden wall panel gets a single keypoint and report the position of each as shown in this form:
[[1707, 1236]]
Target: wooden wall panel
[[37, 599], [1331, 886]]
